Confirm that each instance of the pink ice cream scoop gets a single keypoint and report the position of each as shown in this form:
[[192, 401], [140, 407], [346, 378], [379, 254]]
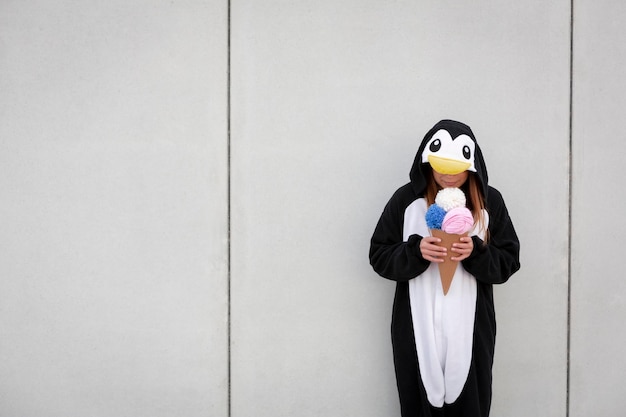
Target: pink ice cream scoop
[[458, 221]]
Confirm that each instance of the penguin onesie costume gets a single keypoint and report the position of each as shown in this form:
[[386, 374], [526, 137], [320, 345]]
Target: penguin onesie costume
[[443, 345]]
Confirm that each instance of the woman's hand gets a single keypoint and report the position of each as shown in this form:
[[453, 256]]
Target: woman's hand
[[430, 251], [464, 248]]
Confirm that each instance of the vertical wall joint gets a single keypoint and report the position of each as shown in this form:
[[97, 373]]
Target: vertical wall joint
[[570, 189]]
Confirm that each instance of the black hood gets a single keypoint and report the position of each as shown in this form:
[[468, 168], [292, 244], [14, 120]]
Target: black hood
[[455, 129]]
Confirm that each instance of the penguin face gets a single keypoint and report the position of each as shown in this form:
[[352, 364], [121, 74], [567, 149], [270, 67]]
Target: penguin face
[[448, 155]]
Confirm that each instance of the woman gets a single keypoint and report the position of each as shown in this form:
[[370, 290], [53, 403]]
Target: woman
[[443, 345]]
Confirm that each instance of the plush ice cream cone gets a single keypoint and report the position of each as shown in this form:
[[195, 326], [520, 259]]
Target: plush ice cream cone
[[447, 268]]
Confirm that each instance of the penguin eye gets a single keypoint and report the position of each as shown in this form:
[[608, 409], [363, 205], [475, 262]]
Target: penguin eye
[[435, 145], [467, 152]]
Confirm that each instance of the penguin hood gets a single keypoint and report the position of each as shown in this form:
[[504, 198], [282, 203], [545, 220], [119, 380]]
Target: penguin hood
[[449, 147]]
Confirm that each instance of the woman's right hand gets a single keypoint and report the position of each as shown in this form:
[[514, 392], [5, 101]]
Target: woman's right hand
[[430, 251]]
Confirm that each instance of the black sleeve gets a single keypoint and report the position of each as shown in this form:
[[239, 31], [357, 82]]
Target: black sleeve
[[390, 256], [498, 259]]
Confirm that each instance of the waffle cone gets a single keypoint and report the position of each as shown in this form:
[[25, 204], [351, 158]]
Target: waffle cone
[[447, 268]]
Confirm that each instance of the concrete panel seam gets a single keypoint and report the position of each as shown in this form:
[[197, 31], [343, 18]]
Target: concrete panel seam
[[229, 199], [569, 214]]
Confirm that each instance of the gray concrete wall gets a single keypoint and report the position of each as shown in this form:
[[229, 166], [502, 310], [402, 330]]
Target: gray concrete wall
[[156, 263], [113, 179], [598, 291]]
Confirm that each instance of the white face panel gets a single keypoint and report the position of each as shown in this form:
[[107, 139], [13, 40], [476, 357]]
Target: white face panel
[[461, 149]]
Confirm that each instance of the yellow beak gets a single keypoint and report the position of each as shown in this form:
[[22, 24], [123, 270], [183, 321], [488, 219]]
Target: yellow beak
[[447, 166]]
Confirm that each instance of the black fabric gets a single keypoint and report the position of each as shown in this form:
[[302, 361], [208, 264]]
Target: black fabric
[[491, 263]]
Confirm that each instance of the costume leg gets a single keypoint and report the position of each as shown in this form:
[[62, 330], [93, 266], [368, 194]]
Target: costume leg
[[413, 400], [475, 399]]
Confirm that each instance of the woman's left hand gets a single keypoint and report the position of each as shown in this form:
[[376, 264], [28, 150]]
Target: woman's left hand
[[464, 248]]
